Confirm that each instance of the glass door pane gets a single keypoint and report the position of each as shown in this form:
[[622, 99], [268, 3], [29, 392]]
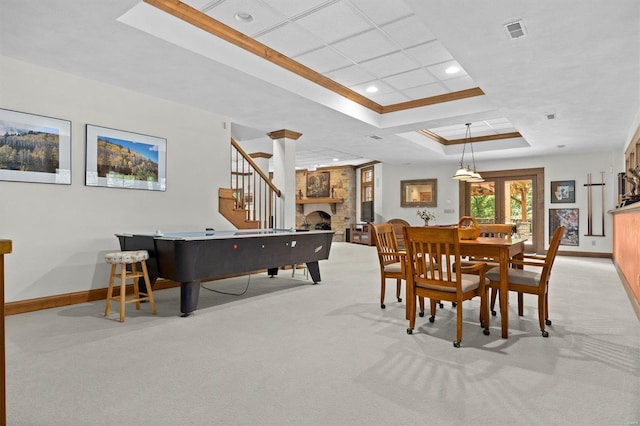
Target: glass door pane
[[520, 206], [483, 201], [509, 196], [504, 200]]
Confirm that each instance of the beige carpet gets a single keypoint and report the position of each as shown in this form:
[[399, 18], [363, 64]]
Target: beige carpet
[[291, 353]]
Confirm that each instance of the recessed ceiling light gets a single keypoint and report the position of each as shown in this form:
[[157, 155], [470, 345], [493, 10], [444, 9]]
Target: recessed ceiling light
[[336, 159], [452, 69], [243, 17], [372, 89]]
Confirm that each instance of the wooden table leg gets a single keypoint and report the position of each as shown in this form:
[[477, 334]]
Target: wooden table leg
[[410, 301], [504, 293]]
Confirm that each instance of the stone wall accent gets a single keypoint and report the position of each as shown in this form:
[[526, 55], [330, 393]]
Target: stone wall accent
[[343, 183]]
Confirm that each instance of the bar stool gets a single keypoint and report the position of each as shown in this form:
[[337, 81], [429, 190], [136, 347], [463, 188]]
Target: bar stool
[[124, 258]]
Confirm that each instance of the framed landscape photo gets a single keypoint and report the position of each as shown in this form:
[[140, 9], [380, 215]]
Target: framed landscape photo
[[569, 218], [563, 191], [120, 159], [34, 148]]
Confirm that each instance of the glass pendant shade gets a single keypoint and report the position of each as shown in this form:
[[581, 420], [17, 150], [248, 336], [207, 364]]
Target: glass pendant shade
[[475, 177], [466, 174], [462, 174]]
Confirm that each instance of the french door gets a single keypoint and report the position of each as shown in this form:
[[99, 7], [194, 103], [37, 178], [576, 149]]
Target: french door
[[509, 196]]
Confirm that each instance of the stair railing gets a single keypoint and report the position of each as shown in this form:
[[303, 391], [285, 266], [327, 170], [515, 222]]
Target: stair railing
[[253, 190]]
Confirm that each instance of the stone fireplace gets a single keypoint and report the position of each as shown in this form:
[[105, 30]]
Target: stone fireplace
[[319, 220], [335, 212]]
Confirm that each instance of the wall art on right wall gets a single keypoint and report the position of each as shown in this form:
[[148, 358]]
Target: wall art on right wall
[[563, 191], [569, 218]]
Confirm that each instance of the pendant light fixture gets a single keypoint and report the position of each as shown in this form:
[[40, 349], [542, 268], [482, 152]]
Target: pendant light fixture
[[466, 174]]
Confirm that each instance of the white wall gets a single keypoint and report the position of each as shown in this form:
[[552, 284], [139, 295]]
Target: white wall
[[60, 233], [560, 167]]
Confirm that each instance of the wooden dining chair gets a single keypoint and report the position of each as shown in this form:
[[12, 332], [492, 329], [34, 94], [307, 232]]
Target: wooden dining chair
[[392, 261], [525, 280], [497, 230], [435, 272], [494, 230], [398, 225]]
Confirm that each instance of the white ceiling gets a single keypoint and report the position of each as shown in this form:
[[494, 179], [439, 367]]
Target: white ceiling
[[579, 60]]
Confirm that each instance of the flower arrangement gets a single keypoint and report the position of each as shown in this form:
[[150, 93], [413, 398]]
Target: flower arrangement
[[426, 215]]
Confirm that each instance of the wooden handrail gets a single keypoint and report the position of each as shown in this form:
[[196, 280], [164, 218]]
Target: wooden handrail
[[257, 169]]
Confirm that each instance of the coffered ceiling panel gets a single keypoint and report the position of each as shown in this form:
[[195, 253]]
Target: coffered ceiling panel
[[290, 39], [407, 80], [459, 83], [392, 64], [408, 31], [351, 76], [427, 91], [263, 17], [381, 12], [581, 63], [292, 8], [365, 46], [323, 59], [478, 128], [430, 53], [334, 22], [389, 98]]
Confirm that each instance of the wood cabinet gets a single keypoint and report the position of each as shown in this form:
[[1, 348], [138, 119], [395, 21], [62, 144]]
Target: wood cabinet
[[361, 233], [626, 252]]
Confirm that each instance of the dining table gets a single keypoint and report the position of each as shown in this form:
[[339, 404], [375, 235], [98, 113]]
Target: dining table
[[501, 250]]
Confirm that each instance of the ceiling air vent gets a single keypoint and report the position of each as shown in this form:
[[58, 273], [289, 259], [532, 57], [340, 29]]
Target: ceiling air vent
[[376, 137], [516, 30]]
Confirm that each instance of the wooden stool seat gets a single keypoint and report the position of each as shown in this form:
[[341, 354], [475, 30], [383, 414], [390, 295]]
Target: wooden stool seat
[[124, 258]]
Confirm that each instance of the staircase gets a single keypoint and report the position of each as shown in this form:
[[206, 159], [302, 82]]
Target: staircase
[[251, 201]]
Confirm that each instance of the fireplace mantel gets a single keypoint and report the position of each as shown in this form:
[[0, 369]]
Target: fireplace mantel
[[326, 200]]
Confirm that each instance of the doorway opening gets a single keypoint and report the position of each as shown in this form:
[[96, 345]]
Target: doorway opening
[[509, 196]]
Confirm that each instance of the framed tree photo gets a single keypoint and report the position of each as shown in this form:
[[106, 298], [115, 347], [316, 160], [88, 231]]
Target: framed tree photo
[[563, 191], [120, 159], [34, 148]]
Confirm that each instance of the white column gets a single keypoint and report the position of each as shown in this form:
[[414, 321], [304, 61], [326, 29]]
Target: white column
[[284, 175], [262, 161]]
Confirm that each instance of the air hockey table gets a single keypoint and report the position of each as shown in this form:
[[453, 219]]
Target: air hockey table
[[190, 257]]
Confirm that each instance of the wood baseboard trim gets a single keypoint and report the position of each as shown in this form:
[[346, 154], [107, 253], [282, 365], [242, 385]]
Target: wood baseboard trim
[[632, 297], [30, 305], [586, 254], [56, 301]]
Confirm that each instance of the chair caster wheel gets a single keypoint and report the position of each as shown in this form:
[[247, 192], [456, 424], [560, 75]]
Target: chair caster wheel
[[456, 343], [382, 306], [454, 304], [420, 314], [441, 305], [545, 333], [432, 319], [547, 322], [494, 313], [409, 330], [399, 299], [486, 332]]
